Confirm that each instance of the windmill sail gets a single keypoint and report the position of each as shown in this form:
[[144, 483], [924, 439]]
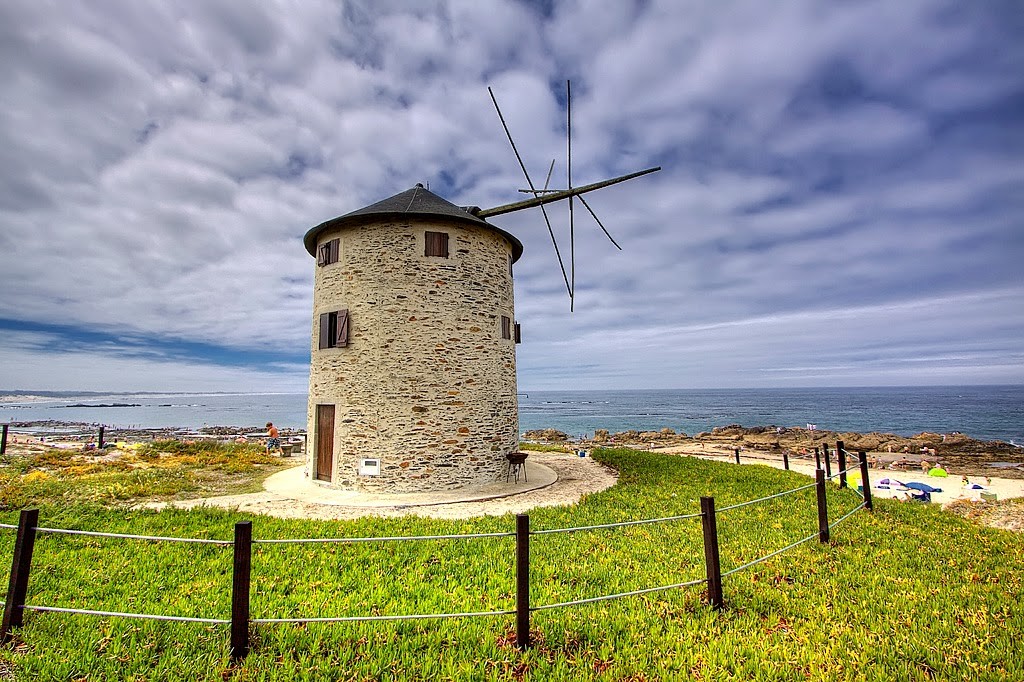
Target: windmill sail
[[542, 197]]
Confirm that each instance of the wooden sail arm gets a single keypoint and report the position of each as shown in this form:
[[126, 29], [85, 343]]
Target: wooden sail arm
[[559, 195]]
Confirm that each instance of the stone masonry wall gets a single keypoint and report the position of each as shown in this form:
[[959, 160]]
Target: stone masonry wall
[[426, 384]]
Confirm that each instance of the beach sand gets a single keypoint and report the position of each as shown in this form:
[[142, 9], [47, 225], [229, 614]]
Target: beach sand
[[952, 486]]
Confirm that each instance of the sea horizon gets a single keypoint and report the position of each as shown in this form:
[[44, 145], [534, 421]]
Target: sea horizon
[[982, 411]]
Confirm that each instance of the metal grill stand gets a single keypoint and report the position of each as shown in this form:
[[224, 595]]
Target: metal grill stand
[[516, 466]]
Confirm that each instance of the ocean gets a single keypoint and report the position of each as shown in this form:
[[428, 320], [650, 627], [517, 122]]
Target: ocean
[[984, 412]]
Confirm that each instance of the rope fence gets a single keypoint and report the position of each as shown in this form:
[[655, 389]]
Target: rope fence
[[356, 619], [156, 538], [240, 621], [620, 524], [399, 538]]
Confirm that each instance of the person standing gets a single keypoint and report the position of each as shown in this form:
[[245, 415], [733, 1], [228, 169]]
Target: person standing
[[273, 438]]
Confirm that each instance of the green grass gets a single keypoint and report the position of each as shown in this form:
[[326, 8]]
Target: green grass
[[164, 470], [908, 592]]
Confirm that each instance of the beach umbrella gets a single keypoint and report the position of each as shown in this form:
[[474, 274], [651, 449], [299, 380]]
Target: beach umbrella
[[923, 487], [936, 471]]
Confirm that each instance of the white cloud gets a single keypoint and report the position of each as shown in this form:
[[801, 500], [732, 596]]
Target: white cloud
[[161, 164]]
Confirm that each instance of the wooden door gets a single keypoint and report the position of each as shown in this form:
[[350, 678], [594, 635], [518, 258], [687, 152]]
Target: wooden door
[[324, 442]]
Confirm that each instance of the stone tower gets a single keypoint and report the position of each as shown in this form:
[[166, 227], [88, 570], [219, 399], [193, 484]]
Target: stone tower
[[412, 383]]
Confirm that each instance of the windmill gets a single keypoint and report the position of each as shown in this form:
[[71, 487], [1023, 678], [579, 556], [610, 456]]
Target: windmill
[[544, 196]]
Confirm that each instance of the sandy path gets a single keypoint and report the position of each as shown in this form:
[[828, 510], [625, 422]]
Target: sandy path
[[577, 476]]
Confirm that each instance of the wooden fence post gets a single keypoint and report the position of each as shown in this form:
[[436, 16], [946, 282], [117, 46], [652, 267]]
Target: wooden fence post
[[712, 562], [819, 479], [785, 459], [523, 581], [817, 457], [737, 455], [21, 564], [865, 481], [828, 460], [240, 590], [841, 455], [99, 441], [3, 441]]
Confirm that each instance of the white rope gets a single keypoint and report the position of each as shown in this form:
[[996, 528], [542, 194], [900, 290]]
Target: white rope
[[764, 499], [384, 539], [117, 614], [7, 525], [840, 473], [840, 520], [769, 556], [349, 619], [618, 595], [615, 525], [133, 537]]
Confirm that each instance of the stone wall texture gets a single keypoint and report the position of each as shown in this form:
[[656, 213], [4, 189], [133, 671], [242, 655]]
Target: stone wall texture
[[426, 383]]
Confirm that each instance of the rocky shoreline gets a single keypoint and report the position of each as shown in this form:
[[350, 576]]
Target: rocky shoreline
[[954, 451]]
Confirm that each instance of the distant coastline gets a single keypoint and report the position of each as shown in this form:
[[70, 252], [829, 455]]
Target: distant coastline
[[983, 412]]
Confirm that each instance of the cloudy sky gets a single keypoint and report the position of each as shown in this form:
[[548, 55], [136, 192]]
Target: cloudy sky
[[841, 200]]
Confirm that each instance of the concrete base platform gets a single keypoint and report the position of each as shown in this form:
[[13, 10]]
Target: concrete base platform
[[294, 484]]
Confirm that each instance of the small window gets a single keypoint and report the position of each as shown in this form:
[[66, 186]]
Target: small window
[[436, 244], [328, 252], [334, 329], [506, 327], [519, 333], [510, 267]]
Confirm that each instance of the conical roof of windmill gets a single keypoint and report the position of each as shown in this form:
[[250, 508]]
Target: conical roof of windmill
[[415, 202]]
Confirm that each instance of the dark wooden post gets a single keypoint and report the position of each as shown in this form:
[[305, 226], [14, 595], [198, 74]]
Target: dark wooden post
[[711, 558], [17, 588], [817, 457], [865, 481], [785, 459], [240, 590], [841, 455], [99, 441], [523, 581], [737, 455], [828, 460], [819, 479], [3, 441]]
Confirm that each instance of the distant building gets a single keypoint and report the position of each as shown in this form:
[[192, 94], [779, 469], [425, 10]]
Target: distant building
[[412, 383]]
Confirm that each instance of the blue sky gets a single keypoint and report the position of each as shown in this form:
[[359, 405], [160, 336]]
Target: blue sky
[[841, 200]]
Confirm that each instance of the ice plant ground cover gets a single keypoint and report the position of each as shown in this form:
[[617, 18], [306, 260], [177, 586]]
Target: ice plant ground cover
[[906, 592]]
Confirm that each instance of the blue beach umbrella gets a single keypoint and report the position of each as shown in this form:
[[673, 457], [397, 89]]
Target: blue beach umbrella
[[923, 487]]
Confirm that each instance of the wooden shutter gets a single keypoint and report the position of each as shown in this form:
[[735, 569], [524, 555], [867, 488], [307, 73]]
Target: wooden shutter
[[506, 327], [325, 330], [328, 252], [435, 244], [519, 334], [341, 337]]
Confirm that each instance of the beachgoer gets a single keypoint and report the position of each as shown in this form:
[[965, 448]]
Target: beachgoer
[[273, 440], [925, 466]]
